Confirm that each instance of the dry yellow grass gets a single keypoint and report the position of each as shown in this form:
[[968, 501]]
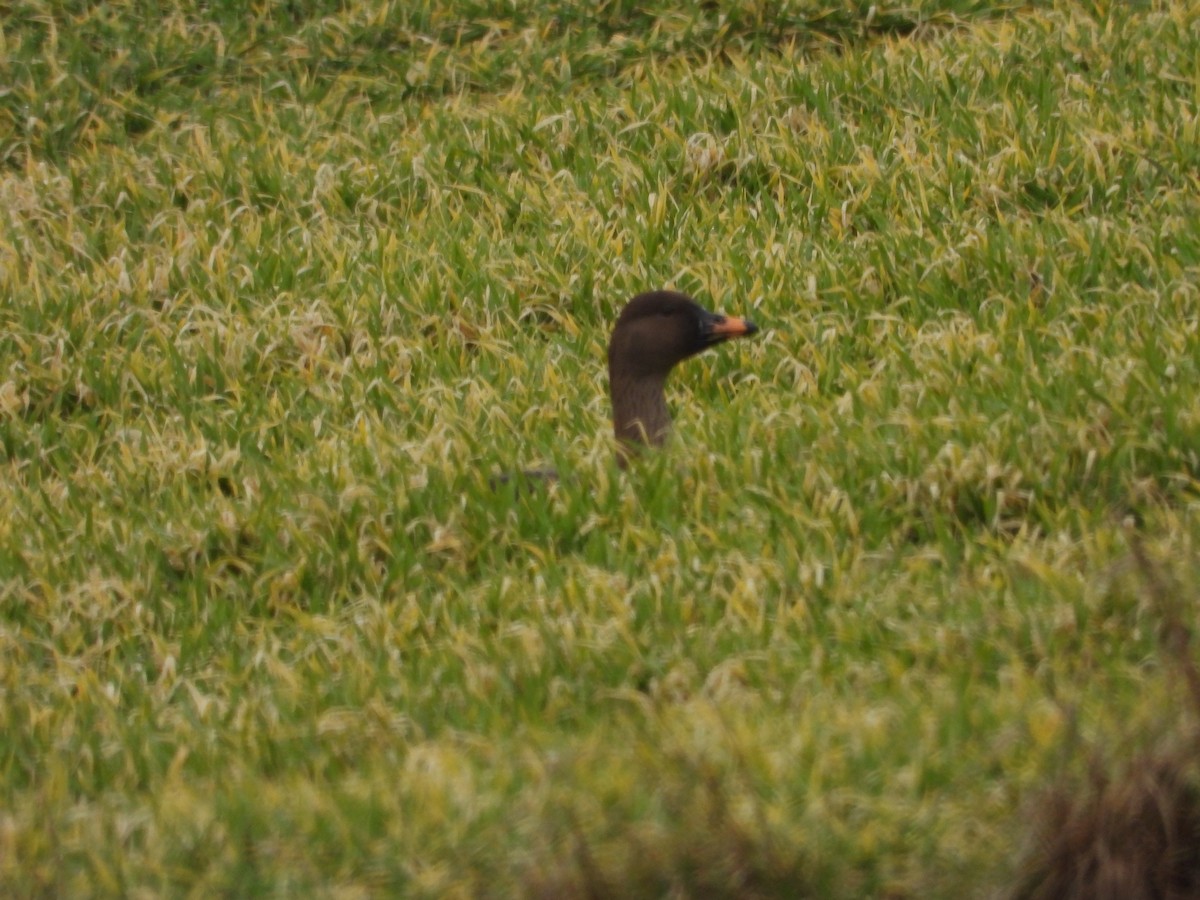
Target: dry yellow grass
[[284, 287]]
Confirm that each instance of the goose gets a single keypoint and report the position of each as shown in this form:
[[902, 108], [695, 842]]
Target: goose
[[655, 332]]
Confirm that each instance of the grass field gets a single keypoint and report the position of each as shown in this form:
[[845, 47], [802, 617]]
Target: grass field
[[283, 285]]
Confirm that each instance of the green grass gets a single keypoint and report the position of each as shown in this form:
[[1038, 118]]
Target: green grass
[[283, 285]]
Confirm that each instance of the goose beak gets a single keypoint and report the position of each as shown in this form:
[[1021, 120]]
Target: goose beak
[[722, 328]]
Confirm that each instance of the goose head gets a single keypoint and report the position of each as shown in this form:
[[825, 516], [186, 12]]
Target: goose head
[[655, 332]]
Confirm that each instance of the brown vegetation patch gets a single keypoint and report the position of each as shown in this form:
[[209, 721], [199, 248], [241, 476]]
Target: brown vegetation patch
[[1135, 835]]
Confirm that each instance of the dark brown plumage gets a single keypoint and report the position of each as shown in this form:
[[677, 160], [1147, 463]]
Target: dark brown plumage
[[654, 333]]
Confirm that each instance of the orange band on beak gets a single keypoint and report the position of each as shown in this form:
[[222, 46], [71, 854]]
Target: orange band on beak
[[732, 326]]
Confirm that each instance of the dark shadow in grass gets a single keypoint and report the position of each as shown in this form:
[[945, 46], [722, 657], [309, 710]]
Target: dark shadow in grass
[[610, 38], [540, 513], [1131, 832], [710, 851], [168, 73]]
